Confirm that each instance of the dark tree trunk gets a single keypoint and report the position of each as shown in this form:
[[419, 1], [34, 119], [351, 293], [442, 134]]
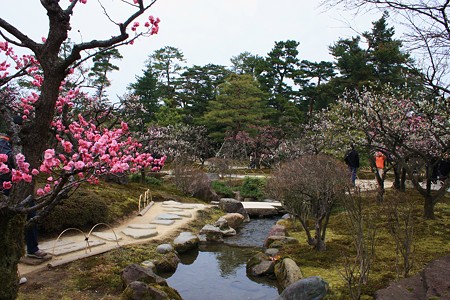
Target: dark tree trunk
[[12, 249], [428, 208], [143, 175]]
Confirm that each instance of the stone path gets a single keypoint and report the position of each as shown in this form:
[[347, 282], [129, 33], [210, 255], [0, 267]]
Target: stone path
[[162, 219]]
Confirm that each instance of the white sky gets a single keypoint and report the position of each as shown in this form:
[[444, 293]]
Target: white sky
[[206, 31]]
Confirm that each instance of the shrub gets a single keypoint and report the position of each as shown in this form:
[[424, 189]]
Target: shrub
[[79, 212], [150, 180], [222, 189], [252, 188], [309, 187]]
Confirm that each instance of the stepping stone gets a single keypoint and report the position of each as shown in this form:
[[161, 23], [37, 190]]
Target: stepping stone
[[139, 233], [141, 226], [170, 202], [172, 209], [48, 246], [107, 236], [184, 214], [163, 222], [168, 217], [76, 246]]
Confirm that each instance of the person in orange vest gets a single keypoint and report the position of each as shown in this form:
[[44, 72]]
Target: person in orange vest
[[380, 160]]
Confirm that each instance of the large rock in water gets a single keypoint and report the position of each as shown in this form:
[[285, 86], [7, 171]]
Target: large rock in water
[[168, 263], [287, 272], [234, 220], [231, 205], [310, 288], [260, 264], [185, 242]]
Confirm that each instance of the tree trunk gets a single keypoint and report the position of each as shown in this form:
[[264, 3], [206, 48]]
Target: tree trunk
[[143, 179], [12, 249], [428, 208]]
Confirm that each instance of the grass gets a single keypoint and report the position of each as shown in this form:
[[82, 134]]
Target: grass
[[430, 236]]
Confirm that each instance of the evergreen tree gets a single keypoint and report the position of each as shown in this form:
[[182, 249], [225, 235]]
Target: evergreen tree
[[278, 74], [245, 63], [168, 63], [239, 105], [146, 89], [102, 66], [199, 86], [381, 63]]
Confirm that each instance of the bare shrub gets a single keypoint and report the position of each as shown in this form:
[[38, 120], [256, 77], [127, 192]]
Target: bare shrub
[[221, 166], [363, 232], [308, 187], [188, 178], [399, 212]]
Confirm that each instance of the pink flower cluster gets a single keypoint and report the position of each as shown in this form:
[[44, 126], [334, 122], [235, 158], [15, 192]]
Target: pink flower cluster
[[155, 24]]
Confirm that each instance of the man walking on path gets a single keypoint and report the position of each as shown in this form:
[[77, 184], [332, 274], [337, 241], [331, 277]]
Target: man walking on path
[[352, 160]]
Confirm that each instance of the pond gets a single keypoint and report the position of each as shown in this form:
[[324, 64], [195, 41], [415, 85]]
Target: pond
[[218, 272]]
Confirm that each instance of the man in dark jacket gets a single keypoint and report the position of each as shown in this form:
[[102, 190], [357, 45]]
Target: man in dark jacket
[[352, 160]]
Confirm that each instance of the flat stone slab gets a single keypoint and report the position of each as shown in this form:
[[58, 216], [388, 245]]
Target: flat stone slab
[[168, 217], [170, 202], [141, 226], [76, 246], [162, 222], [184, 214], [251, 204], [48, 246], [171, 209], [139, 233], [107, 236]]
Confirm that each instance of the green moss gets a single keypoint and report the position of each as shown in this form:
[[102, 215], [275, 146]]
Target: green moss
[[431, 242]]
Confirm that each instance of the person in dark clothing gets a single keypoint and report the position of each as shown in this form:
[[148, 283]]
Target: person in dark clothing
[[31, 234], [352, 160]]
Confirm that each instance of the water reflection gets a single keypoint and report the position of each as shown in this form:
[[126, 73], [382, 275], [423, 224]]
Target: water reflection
[[218, 272]]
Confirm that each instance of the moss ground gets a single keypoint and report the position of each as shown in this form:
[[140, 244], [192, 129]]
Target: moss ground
[[99, 277]]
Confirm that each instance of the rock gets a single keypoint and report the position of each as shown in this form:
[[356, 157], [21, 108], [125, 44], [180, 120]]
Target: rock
[[211, 233], [167, 264], [164, 293], [287, 272], [263, 268], [234, 220], [135, 272], [205, 193], [432, 283], [278, 230], [310, 288], [137, 290], [141, 291], [231, 205], [260, 264], [276, 241], [185, 241], [272, 251], [229, 232], [437, 277], [164, 248]]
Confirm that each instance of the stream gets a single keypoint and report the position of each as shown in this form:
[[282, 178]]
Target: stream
[[218, 271]]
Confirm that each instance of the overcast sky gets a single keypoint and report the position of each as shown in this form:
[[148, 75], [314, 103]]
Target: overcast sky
[[206, 31]]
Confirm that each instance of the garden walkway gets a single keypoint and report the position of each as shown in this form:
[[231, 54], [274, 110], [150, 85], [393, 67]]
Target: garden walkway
[[158, 222]]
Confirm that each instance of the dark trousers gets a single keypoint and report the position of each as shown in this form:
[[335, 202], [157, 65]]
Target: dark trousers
[[31, 234]]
